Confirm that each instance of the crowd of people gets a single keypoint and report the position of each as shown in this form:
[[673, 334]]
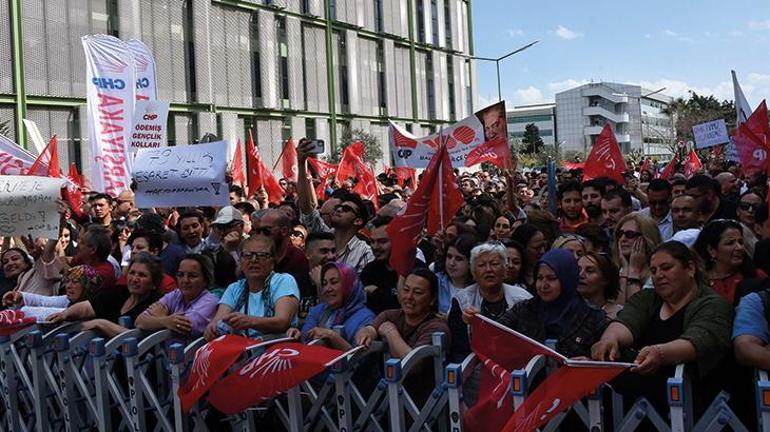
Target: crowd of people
[[651, 271]]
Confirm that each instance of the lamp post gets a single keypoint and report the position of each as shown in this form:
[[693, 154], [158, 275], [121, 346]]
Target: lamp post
[[497, 64]]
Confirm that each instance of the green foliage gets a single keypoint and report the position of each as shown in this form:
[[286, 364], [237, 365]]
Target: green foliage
[[372, 147], [698, 109], [532, 140]]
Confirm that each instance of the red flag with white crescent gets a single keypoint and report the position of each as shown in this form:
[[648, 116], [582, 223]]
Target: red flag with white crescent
[[605, 159], [280, 368], [261, 177], [495, 151], [752, 139]]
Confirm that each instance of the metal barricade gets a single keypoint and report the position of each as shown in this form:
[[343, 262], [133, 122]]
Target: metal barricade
[[180, 359], [148, 381]]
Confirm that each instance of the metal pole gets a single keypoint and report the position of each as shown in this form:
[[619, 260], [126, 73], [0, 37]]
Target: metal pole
[[499, 91]]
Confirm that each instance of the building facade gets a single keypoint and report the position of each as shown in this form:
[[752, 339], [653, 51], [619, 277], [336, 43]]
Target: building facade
[[279, 68], [541, 115], [634, 113]]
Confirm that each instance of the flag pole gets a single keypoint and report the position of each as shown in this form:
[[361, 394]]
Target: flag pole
[[282, 152], [441, 180]]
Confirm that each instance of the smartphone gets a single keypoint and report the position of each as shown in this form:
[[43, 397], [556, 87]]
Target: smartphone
[[317, 146]]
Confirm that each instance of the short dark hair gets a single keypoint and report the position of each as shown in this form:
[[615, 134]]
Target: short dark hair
[[659, 185], [703, 182], [189, 214], [570, 186], [154, 240], [244, 207], [596, 183], [432, 281], [679, 182], [380, 221], [317, 236], [237, 190], [595, 234], [153, 264], [625, 197], [101, 195], [97, 237], [355, 198]]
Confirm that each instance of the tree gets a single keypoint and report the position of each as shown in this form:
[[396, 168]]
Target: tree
[[698, 109], [532, 139], [372, 147]]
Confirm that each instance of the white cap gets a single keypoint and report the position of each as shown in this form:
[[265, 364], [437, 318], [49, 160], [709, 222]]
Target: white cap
[[228, 215]]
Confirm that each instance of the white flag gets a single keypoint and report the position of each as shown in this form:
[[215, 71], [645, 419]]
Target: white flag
[[144, 64], [111, 81], [742, 108]]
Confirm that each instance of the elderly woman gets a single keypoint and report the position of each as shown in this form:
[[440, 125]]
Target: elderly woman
[[344, 304], [558, 311], [571, 242], [264, 302], [599, 282], [489, 296], [144, 278], [456, 273], [188, 309], [720, 245], [680, 321], [79, 284], [635, 238], [414, 324]]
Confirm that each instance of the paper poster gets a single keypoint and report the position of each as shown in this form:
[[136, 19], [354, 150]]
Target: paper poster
[[461, 138], [710, 134], [28, 206], [149, 125], [182, 176]]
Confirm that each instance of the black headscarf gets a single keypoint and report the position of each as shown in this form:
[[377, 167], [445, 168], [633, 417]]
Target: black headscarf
[[558, 314]]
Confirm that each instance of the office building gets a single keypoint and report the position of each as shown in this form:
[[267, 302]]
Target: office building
[[541, 115], [278, 67]]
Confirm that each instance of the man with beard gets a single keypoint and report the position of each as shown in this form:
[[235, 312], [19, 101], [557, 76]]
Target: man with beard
[[659, 210], [706, 192], [101, 209], [685, 219], [570, 203], [380, 281], [124, 204], [615, 204], [593, 191], [348, 218]]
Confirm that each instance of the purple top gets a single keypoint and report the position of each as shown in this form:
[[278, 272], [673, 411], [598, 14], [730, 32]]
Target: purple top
[[200, 311]]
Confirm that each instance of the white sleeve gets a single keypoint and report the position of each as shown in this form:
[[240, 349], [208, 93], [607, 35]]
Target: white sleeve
[[45, 301]]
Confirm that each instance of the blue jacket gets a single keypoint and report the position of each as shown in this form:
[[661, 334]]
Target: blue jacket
[[360, 318]]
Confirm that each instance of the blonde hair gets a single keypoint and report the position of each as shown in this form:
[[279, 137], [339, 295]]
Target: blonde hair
[[650, 235]]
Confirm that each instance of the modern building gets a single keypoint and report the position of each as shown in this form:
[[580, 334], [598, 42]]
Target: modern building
[[635, 114], [541, 115], [278, 67]]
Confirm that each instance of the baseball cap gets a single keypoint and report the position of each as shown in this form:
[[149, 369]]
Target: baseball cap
[[228, 215]]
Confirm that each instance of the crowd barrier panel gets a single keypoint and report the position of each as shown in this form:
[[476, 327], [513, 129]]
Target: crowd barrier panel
[[77, 379], [180, 359], [762, 386], [144, 358]]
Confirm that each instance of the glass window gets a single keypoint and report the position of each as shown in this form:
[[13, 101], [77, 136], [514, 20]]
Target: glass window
[[434, 21], [378, 16], [451, 86], [310, 131], [381, 82], [283, 60], [333, 9], [342, 56], [429, 84], [256, 86], [420, 22], [447, 24]]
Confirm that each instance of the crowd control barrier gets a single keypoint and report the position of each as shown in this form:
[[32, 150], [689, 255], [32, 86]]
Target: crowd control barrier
[[64, 379]]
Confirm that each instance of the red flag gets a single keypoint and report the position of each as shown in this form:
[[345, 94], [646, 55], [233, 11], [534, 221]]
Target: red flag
[[691, 164], [210, 363], [495, 151], [12, 321], [669, 170], [751, 140], [47, 162], [236, 168], [259, 176], [552, 397], [605, 159], [280, 368], [405, 230], [573, 165], [646, 165], [289, 159], [446, 198], [75, 176], [405, 173], [323, 171], [352, 166]]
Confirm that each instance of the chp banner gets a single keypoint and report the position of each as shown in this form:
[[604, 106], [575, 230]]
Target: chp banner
[[144, 66], [710, 134], [181, 176], [14, 160], [149, 129], [28, 206], [461, 138], [111, 81]]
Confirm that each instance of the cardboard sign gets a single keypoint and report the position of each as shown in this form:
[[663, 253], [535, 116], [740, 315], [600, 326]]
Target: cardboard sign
[[182, 176], [149, 125], [28, 206], [710, 134]]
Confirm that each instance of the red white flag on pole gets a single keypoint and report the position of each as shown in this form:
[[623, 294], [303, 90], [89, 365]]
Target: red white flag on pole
[[605, 159], [352, 166], [289, 160], [47, 162], [496, 151], [280, 368], [323, 171], [669, 170], [236, 168], [691, 164], [259, 176], [447, 198], [751, 139]]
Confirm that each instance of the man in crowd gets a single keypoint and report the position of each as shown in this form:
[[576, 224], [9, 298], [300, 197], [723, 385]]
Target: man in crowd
[[378, 278], [678, 185], [659, 201], [570, 204], [101, 209], [615, 204], [593, 191], [124, 204], [191, 228], [706, 192], [685, 219], [287, 257]]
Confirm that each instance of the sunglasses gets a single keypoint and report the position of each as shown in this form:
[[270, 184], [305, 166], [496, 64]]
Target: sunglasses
[[631, 235], [344, 208], [749, 206]]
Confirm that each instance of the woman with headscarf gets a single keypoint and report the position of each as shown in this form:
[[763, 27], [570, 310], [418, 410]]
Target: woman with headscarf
[[344, 304], [534, 243], [558, 311], [79, 284]]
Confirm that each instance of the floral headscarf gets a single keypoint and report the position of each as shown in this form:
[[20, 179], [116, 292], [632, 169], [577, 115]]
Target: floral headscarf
[[86, 275]]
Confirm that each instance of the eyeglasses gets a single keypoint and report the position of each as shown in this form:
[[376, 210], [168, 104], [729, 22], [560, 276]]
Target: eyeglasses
[[259, 256], [299, 234], [344, 208], [749, 206], [631, 235]]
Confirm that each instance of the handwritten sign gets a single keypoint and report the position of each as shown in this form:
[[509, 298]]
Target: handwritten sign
[[181, 176], [710, 134], [28, 206], [149, 125]]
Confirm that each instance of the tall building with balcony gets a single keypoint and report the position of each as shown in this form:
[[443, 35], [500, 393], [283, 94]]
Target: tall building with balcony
[[541, 115], [279, 68], [634, 113]]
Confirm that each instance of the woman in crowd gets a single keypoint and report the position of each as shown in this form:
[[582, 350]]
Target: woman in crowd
[[595, 238], [750, 204], [79, 284], [151, 243], [534, 241], [599, 283], [680, 321], [32, 272], [188, 309], [67, 241], [720, 245], [144, 277], [558, 311], [456, 273], [504, 227], [298, 235], [635, 238], [517, 261], [489, 296], [570, 242], [344, 304], [264, 302]]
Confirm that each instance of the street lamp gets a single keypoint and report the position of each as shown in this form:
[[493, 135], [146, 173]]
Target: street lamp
[[497, 64]]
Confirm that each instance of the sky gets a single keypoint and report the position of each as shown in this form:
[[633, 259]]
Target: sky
[[677, 44]]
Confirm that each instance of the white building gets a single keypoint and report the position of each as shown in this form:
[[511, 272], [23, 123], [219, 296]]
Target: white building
[[634, 113], [541, 115]]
